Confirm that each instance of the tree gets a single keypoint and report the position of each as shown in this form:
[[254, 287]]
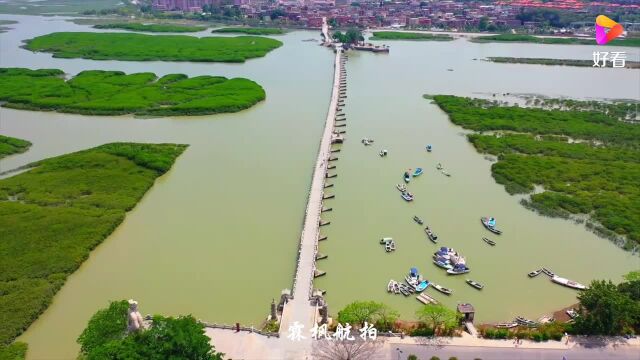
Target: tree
[[606, 310], [357, 349], [484, 22], [372, 312], [166, 338], [438, 315]]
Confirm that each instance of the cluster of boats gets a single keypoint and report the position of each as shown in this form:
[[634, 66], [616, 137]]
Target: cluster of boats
[[518, 321], [414, 284], [450, 260], [557, 279], [409, 174], [389, 244], [406, 195]]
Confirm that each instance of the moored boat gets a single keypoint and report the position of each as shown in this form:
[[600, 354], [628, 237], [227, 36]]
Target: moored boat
[[548, 272], [475, 284], [443, 264], [385, 240], [418, 220], [489, 241], [417, 172], [442, 289], [401, 187], [407, 196], [407, 176], [455, 271], [422, 285], [526, 322], [534, 273], [506, 325], [390, 286], [490, 224], [568, 283]]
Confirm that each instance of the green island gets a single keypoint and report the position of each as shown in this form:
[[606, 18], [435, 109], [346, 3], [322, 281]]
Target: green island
[[635, 42], [249, 31], [97, 92], [10, 146], [142, 47], [401, 35], [173, 28], [585, 157], [53, 215], [562, 62]]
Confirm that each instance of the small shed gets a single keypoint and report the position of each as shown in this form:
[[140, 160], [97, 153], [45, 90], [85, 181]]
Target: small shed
[[467, 312]]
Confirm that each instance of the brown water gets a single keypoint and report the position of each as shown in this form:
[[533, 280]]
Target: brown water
[[217, 236]]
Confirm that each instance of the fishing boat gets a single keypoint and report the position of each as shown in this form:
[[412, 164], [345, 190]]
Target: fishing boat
[[526, 322], [510, 325], [433, 237], [396, 287], [458, 269], [475, 284], [439, 166], [385, 240], [568, 283], [407, 196], [390, 246], [401, 187], [443, 264], [404, 291], [429, 147], [488, 241], [390, 286], [418, 220], [442, 289], [383, 153], [413, 277], [422, 285], [490, 224], [417, 172], [548, 272], [534, 273], [407, 176], [445, 173], [366, 142]]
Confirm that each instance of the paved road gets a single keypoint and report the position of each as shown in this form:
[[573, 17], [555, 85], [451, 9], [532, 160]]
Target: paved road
[[484, 353]]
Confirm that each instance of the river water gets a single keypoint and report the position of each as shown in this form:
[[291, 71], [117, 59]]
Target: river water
[[217, 236]]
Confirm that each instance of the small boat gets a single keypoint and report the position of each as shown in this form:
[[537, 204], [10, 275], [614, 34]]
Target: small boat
[[417, 172], [411, 281], [445, 173], [488, 241], [439, 166], [568, 283], [490, 224], [401, 187], [475, 284], [407, 176], [526, 322], [534, 273], [442, 264], [396, 287], [548, 272], [390, 246], [407, 196], [410, 289], [404, 291], [367, 141], [510, 325], [433, 237], [458, 270], [442, 289], [429, 147], [422, 285], [390, 286], [572, 313], [385, 240], [418, 220], [383, 153]]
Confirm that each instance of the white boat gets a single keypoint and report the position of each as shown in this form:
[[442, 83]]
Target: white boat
[[442, 289], [568, 283], [407, 196], [455, 271], [401, 187], [507, 325]]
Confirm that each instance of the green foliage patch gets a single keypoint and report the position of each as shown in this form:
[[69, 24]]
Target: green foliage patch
[[99, 92], [551, 40], [401, 35], [562, 62], [598, 175], [142, 47], [249, 31], [10, 146], [173, 28], [53, 215]]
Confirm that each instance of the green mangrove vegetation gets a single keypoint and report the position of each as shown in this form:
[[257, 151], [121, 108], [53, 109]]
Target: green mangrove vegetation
[[249, 31], [401, 35], [106, 337], [53, 215], [563, 62], [142, 47], [173, 28], [10, 146], [586, 161], [98, 92], [551, 40]]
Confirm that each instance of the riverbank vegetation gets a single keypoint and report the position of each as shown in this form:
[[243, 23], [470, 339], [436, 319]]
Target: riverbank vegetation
[[586, 161], [10, 146], [142, 47], [562, 62], [98, 92], [106, 337], [53, 215], [357, 313], [511, 38], [249, 31], [160, 28], [401, 35]]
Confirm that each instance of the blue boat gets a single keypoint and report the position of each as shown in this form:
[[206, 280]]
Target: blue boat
[[417, 172], [422, 285], [429, 148]]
